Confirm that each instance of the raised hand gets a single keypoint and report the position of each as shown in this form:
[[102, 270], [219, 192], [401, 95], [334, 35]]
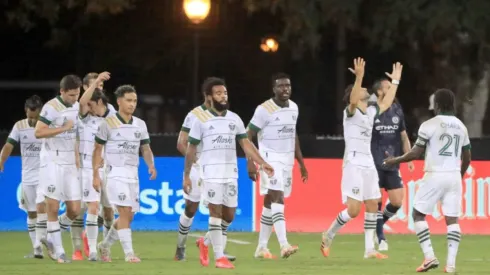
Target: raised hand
[[359, 65], [396, 73]]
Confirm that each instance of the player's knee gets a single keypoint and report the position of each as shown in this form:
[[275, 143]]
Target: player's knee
[[215, 210], [417, 216], [32, 215], [267, 201], [396, 197], [108, 214], [93, 208], [228, 214], [190, 208], [451, 220], [353, 208]]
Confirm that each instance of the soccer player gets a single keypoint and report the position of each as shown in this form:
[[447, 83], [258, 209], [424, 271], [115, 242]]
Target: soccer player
[[275, 123], [444, 138], [218, 129], [122, 135], [58, 171], [32, 199], [88, 79], [359, 175], [93, 110], [389, 137]]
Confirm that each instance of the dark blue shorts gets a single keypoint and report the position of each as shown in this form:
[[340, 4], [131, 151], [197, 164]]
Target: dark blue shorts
[[389, 180]]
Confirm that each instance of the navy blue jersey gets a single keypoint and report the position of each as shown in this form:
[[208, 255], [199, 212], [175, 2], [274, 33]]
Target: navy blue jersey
[[387, 136]]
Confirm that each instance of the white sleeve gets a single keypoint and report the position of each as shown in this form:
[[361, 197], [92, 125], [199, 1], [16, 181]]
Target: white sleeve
[[372, 111], [48, 114], [241, 132], [195, 135], [14, 136], [102, 133], [188, 121], [145, 136], [259, 119], [424, 135]]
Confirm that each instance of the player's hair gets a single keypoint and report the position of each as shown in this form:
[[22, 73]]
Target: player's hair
[[99, 95], [33, 103], [210, 82], [445, 101], [124, 89], [70, 82], [377, 85], [278, 76], [347, 93], [88, 77]]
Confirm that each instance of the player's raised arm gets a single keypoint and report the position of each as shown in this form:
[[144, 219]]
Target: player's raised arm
[[87, 95], [395, 77], [12, 140], [465, 155], [357, 92], [48, 114]]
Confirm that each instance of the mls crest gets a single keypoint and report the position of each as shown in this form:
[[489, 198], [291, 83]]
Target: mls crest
[[232, 126], [137, 134]]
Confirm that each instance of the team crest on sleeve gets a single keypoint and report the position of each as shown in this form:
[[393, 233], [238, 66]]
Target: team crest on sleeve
[[395, 119], [187, 120], [294, 117], [45, 113], [232, 126], [137, 134]]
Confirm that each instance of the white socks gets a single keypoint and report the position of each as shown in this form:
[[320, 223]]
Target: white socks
[[54, 234], [216, 236], [92, 232], [126, 241], [423, 234], [453, 240], [265, 227], [279, 223], [342, 218], [370, 221], [41, 228], [184, 228]]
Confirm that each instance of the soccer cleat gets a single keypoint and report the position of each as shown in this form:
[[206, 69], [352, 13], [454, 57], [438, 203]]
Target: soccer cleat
[[223, 262], [38, 253], [264, 253], [180, 254], [86, 249], [288, 250], [450, 269], [230, 258], [326, 243], [29, 256], [375, 255], [77, 256], [62, 259], [203, 252], [428, 265], [105, 253], [92, 257], [50, 248], [383, 245], [131, 258]]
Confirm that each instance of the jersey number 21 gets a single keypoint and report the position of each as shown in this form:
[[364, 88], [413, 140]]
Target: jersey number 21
[[448, 140]]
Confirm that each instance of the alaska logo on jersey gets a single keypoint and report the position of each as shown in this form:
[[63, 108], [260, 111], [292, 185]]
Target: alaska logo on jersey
[[286, 130], [128, 148], [220, 140]]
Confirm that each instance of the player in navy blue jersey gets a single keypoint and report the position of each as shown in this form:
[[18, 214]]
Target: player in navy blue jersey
[[389, 138]]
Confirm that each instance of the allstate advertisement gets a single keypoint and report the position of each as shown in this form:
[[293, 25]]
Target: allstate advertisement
[[161, 200]]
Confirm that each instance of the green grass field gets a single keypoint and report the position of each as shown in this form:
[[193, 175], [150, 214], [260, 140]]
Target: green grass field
[[157, 249]]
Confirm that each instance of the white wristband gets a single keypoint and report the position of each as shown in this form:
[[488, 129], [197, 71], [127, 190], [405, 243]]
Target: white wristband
[[395, 82]]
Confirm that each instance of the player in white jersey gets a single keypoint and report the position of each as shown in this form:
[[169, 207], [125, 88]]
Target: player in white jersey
[[217, 129], [444, 138], [58, 171], [359, 176], [93, 110], [88, 79], [32, 199], [275, 123], [122, 135]]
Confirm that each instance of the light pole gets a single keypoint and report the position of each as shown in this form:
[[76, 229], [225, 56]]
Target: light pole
[[269, 45], [196, 11]]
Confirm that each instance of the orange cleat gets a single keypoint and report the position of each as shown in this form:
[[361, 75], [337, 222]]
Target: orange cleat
[[86, 249], [428, 265], [223, 262], [288, 250], [375, 255], [326, 243], [77, 256], [203, 252], [264, 253], [131, 258], [450, 269]]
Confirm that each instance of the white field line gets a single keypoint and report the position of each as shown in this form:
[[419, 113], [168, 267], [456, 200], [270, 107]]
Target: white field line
[[229, 240]]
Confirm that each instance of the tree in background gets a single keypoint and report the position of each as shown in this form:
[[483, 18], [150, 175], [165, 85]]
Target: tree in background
[[445, 41]]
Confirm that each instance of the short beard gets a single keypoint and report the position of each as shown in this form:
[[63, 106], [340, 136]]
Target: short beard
[[220, 107]]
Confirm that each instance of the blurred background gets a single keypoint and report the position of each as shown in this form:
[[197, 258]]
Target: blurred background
[[167, 47]]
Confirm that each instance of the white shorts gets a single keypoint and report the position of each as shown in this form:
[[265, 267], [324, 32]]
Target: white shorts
[[31, 196], [60, 182], [360, 184], [220, 193], [444, 187], [88, 191], [195, 194], [281, 181]]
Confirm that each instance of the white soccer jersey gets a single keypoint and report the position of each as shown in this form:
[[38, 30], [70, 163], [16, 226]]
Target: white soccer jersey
[[443, 137], [60, 148], [358, 128], [276, 128], [122, 141], [218, 135], [87, 129], [111, 108], [190, 119], [30, 147]]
